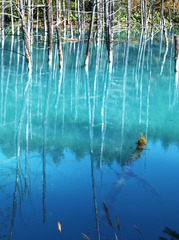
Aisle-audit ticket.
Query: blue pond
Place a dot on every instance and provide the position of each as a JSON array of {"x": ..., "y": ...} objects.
[{"x": 68, "y": 141}]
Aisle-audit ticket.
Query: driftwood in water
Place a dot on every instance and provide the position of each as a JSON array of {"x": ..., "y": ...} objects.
[{"x": 176, "y": 53}]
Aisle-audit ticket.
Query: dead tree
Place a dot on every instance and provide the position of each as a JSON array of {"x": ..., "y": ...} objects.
[
  {"x": 44, "y": 19},
  {"x": 50, "y": 30},
  {"x": 141, "y": 12},
  {"x": 64, "y": 20},
  {"x": 26, "y": 36},
  {"x": 169, "y": 14},
  {"x": 145, "y": 13},
  {"x": 119, "y": 13},
  {"x": 2, "y": 18},
  {"x": 32, "y": 20},
  {"x": 58, "y": 28},
  {"x": 79, "y": 25},
  {"x": 98, "y": 15},
  {"x": 29, "y": 17},
  {"x": 68, "y": 13},
  {"x": 153, "y": 10},
  {"x": 37, "y": 22},
  {"x": 109, "y": 23},
  {"x": 152, "y": 23},
  {"x": 176, "y": 53},
  {"x": 12, "y": 18},
  {"x": 83, "y": 17},
  {"x": 90, "y": 36},
  {"x": 173, "y": 7},
  {"x": 161, "y": 14},
  {"x": 128, "y": 12},
  {"x": 106, "y": 23}
]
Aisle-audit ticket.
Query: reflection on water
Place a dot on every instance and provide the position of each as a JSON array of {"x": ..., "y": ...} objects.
[{"x": 68, "y": 140}]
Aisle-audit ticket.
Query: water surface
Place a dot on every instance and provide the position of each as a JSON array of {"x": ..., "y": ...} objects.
[{"x": 68, "y": 141}]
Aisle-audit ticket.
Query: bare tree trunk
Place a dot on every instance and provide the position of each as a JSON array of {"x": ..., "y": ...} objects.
[
  {"x": 58, "y": 16},
  {"x": 79, "y": 28},
  {"x": 29, "y": 17},
  {"x": 83, "y": 17},
  {"x": 37, "y": 23},
  {"x": 153, "y": 11},
  {"x": 44, "y": 19},
  {"x": 12, "y": 18},
  {"x": 176, "y": 53},
  {"x": 68, "y": 13},
  {"x": 145, "y": 13},
  {"x": 90, "y": 34},
  {"x": 18, "y": 22},
  {"x": 173, "y": 7},
  {"x": 64, "y": 20},
  {"x": 2, "y": 18},
  {"x": 128, "y": 12},
  {"x": 71, "y": 29},
  {"x": 25, "y": 34},
  {"x": 111, "y": 25},
  {"x": 169, "y": 14},
  {"x": 106, "y": 23},
  {"x": 119, "y": 13},
  {"x": 32, "y": 21},
  {"x": 98, "y": 15},
  {"x": 161, "y": 14},
  {"x": 141, "y": 10},
  {"x": 50, "y": 31},
  {"x": 152, "y": 24}
]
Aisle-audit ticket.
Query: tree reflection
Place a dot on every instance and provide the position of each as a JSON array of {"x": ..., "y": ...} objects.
[
  {"x": 97, "y": 116},
  {"x": 171, "y": 233}
]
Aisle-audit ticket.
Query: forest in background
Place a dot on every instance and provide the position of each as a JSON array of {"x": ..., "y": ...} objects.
[{"x": 170, "y": 8}]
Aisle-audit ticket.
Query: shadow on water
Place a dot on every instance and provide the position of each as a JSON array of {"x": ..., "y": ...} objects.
[{"x": 89, "y": 113}]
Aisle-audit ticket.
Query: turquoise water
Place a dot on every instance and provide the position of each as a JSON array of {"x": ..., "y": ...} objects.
[{"x": 68, "y": 141}]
